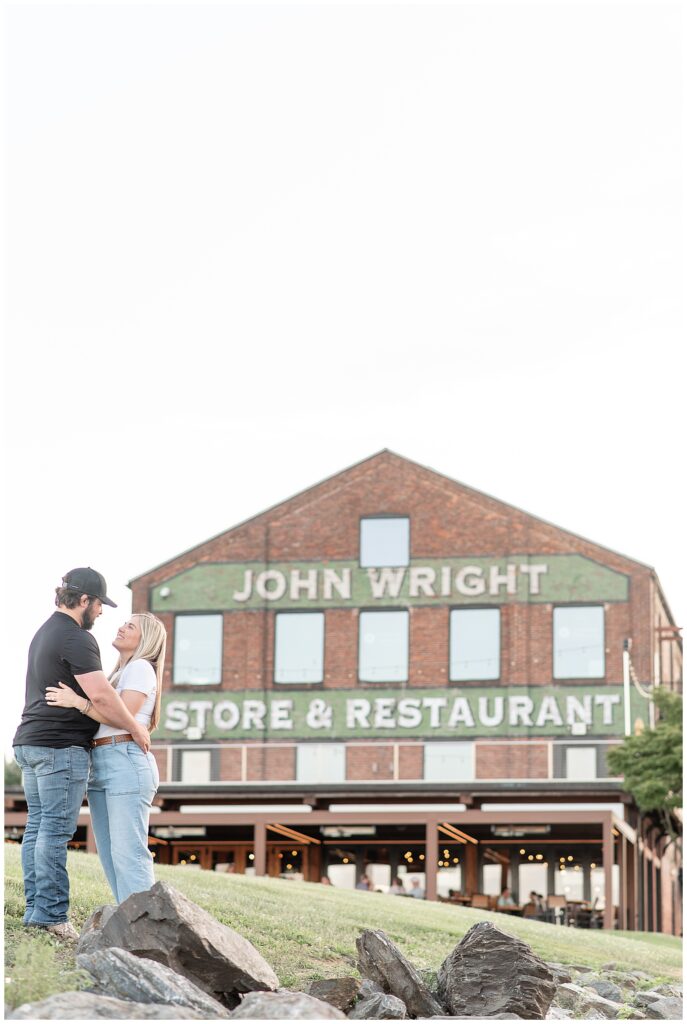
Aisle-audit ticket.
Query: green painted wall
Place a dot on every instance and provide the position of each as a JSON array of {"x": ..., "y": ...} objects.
[
  {"x": 218, "y": 587},
  {"x": 328, "y": 714}
]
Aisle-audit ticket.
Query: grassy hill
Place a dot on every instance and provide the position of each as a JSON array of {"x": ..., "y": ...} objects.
[{"x": 308, "y": 931}]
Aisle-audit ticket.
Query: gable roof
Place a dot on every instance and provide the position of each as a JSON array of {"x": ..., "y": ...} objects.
[{"x": 386, "y": 452}]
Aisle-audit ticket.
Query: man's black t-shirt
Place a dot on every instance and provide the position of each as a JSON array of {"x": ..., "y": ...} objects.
[{"x": 60, "y": 650}]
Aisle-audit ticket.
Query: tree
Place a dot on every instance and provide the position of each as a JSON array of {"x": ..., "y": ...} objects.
[
  {"x": 651, "y": 762},
  {"x": 12, "y": 773}
]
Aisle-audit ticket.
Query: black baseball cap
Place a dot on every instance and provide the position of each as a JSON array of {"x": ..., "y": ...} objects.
[{"x": 88, "y": 581}]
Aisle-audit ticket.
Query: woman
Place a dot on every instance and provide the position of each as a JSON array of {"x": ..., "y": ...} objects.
[{"x": 123, "y": 780}]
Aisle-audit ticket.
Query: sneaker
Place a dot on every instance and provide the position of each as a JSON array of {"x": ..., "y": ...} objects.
[{"x": 66, "y": 931}]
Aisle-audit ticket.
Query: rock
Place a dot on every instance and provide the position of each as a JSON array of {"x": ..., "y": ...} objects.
[
  {"x": 606, "y": 989},
  {"x": 380, "y": 961},
  {"x": 560, "y": 972},
  {"x": 369, "y": 988},
  {"x": 641, "y": 975},
  {"x": 622, "y": 979},
  {"x": 89, "y": 933},
  {"x": 379, "y": 1006},
  {"x": 162, "y": 924},
  {"x": 665, "y": 1008},
  {"x": 283, "y": 1005},
  {"x": 644, "y": 998},
  {"x": 88, "y": 1006},
  {"x": 665, "y": 989},
  {"x": 491, "y": 972},
  {"x": 558, "y": 1013},
  {"x": 338, "y": 992},
  {"x": 585, "y": 1002},
  {"x": 125, "y": 976}
]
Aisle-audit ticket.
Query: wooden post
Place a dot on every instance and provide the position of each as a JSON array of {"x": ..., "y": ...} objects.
[
  {"x": 607, "y": 842},
  {"x": 260, "y": 848},
  {"x": 431, "y": 857},
  {"x": 631, "y": 885},
  {"x": 654, "y": 885},
  {"x": 622, "y": 859},
  {"x": 470, "y": 869}
]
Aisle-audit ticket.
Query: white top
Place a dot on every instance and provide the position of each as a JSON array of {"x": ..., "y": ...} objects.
[{"x": 137, "y": 675}]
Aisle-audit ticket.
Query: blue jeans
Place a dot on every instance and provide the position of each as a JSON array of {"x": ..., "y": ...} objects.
[
  {"x": 121, "y": 787},
  {"x": 54, "y": 785}
]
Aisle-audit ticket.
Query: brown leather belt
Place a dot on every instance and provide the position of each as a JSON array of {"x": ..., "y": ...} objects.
[{"x": 124, "y": 737}]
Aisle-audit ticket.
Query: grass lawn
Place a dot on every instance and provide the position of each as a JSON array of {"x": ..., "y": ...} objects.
[{"x": 308, "y": 931}]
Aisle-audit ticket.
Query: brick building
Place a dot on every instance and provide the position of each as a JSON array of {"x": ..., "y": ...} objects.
[{"x": 392, "y": 674}]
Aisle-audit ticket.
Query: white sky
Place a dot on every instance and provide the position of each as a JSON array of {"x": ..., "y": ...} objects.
[{"x": 249, "y": 246}]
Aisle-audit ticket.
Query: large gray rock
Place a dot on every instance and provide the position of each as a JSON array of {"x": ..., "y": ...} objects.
[
  {"x": 338, "y": 992},
  {"x": 164, "y": 925},
  {"x": 90, "y": 933},
  {"x": 379, "y": 1006},
  {"x": 381, "y": 961},
  {"x": 585, "y": 1002},
  {"x": 606, "y": 989},
  {"x": 88, "y": 1006},
  {"x": 125, "y": 976},
  {"x": 284, "y": 1005},
  {"x": 490, "y": 972},
  {"x": 665, "y": 1008}
]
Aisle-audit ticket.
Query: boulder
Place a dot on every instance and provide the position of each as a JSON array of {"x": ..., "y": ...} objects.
[
  {"x": 665, "y": 1008},
  {"x": 379, "y": 1006},
  {"x": 382, "y": 962},
  {"x": 162, "y": 924},
  {"x": 585, "y": 1002},
  {"x": 89, "y": 933},
  {"x": 490, "y": 972},
  {"x": 338, "y": 992},
  {"x": 605, "y": 989},
  {"x": 88, "y": 1006},
  {"x": 125, "y": 976},
  {"x": 369, "y": 988},
  {"x": 558, "y": 1013},
  {"x": 283, "y": 1005},
  {"x": 560, "y": 972}
]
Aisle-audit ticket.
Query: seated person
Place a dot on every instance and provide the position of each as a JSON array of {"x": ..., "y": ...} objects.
[
  {"x": 505, "y": 899},
  {"x": 417, "y": 891}
]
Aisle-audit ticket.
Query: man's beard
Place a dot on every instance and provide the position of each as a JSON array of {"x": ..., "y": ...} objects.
[{"x": 88, "y": 618}]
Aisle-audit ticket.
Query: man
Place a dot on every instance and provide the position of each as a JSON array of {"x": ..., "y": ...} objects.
[{"x": 52, "y": 744}]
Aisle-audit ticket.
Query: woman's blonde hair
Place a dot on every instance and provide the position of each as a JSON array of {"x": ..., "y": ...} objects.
[{"x": 152, "y": 648}]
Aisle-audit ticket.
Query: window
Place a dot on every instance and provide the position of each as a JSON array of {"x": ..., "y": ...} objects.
[
  {"x": 475, "y": 643},
  {"x": 299, "y": 647},
  {"x": 578, "y": 643},
  {"x": 195, "y": 766},
  {"x": 385, "y": 542},
  {"x": 449, "y": 762},
  {"x": 580, "y": 763},
  {"x": 321, "y": 762},
  {"x": 198, "y": 649},
  {"x": 383, "y": 647}
]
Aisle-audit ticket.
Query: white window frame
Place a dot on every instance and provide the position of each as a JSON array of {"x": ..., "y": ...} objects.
[
  {"x": 176, "y": 680},
  {"x": 281, "y": 617},
  {"x": 465, "y": 747},
  {"x": 379, "y": 565},
  {"x": 380, "y": 611},
  {"x": 198, "y": 777},
  {"x": 454, "y": 635},
  {"x": 328, "y": 755}
]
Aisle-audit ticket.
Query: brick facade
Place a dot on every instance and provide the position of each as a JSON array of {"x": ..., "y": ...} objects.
[{"x": 447, "y": 520}]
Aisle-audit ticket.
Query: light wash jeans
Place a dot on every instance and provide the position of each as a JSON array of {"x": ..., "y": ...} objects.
[
  {"x": 121, "y": 787},
  {"x": 54, "y": 780}
]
